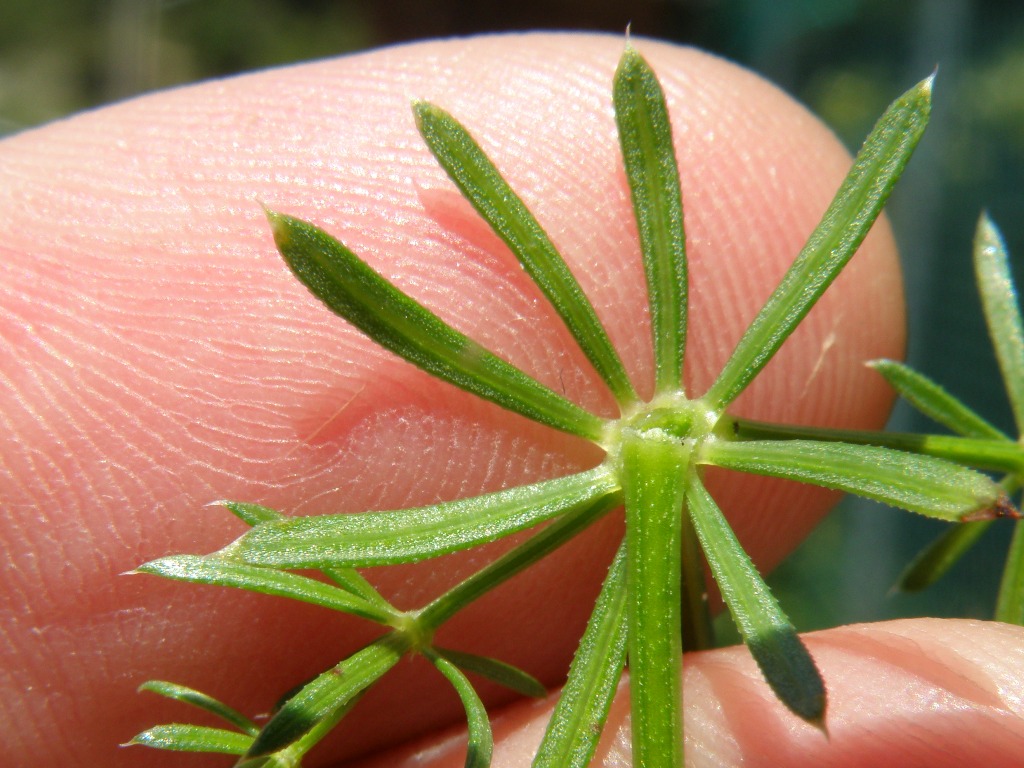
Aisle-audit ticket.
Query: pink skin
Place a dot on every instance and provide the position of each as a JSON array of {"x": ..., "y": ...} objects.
[{"x": 157, "y": 356}]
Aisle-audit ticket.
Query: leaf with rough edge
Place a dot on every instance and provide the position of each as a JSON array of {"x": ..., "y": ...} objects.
[
  {"x": 353, "y": 290},
  {"x": 854, "y": 209},
  {"x": 654, "y": 466},
  {"x": 1002, "y": 312},
  {"x": 922, "y": 484},
  {"x": 348, "y": 579},
  {"x": 582, "y": 710},
  {"x": 483, "y": 186},
  {"x": 179, "y": 737},
  {"x": 202, "y": 701},
  {"x": 480, "y": 745},
  {"x": 1000, "y": 455},
  {"x": 645, "y": 135},
  {"x": 934, "y": 401},
  {"x": 771, "y": 638},
  {"x": 496, "y": 671},
  {"x": 215, "y": 570},
  {"x": 329, "y": 695},
  {"x": 409, "y": 535}
]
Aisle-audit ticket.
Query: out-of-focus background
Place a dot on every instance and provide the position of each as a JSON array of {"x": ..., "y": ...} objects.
[{"x": 845, "y": 59}]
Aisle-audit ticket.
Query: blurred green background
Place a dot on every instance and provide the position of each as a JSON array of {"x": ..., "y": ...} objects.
[{"x": 846, "y": 59}]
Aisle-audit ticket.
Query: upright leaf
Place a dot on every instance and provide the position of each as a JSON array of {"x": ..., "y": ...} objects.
[
  {"x": 1002, "y": 312},
  {"x": 646, "y": 138},
  {"x": 842, "y": 229},
  {"x": 481, "y": 183},
  {"x": 350, "y": 288}
]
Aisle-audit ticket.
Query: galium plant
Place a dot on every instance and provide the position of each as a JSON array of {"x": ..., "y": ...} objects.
[{"x": 653, "y": 602}]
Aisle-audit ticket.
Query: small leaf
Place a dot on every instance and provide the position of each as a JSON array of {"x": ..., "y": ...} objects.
[
  {"x": 654, "y": 467},
  {"x": 216, "y": 570},
  {"x": 922, "y": 484},
  {"x": 772, "y": 640},
  {"x": 932, "y": 563},
  {"x": 409, "y": 535},
  {"x": 329, "y": 695},
  {"x": 482, "y": 185},
  {"x": 1002, "y": 313},
  {"x": 178, "y": 737},
  {"x": 348, "y": 579},
  {"x": 202, "y": 701},
  {"x": 935, "y": 402},
  {"x": 646, "y": 138},
  {"x": 481, "y": 741},
  {"x": 350, "y": 288},
  {"x": 582, "y": 710},
  {"x": 847, "y": 221},
  {"x": 1000, "y": 455},
  {"x": 496, "y": 671}
]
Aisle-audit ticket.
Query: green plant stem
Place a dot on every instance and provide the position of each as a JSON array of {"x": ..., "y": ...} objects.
[
  {"x": 1010, "y": 602},
  {"x": 654, "y": 469}
]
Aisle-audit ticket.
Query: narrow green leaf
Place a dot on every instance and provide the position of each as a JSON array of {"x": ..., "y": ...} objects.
[
  {"x": 934, "y": 401},
  {"x": 1001, "y": 455},
  {"x": 348, "y": 579},
  {"x": 1010, "y": 602},
  {"x": 409, "y": 535},
  {"x": 496, "y": 671},
  {"x": 582, "y": 710},
  {"x": 1002, "y": 312},
  {"x": 515, "y": 560},
  {"x": 483, "y": 186},
  {"x": 212, "y": 569},
  {"x": 932, "y": 563},
  {"x": 328, "y": 695},
  {"x": 772, "y": 640},
  {"x": 481, "y": 741},
  {"x": 845, "y": 224},
  {"x": 646, "y": 138},
  {"x": 353, "y": 290},
  {"x": 202, "y": 701},
  {"x": 922, "y": 484},
  {"x": 654, "y": 469},
  {"x": 178, "y": 737}
]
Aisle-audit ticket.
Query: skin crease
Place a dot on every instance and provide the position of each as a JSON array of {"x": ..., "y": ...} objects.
[{"x": 157, "y": 356}]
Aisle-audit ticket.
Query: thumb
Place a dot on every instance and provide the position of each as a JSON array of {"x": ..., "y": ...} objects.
[{"x": 157, "y": 356}]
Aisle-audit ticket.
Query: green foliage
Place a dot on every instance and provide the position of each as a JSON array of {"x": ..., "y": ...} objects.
[{"x": 656, "y": 453}]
